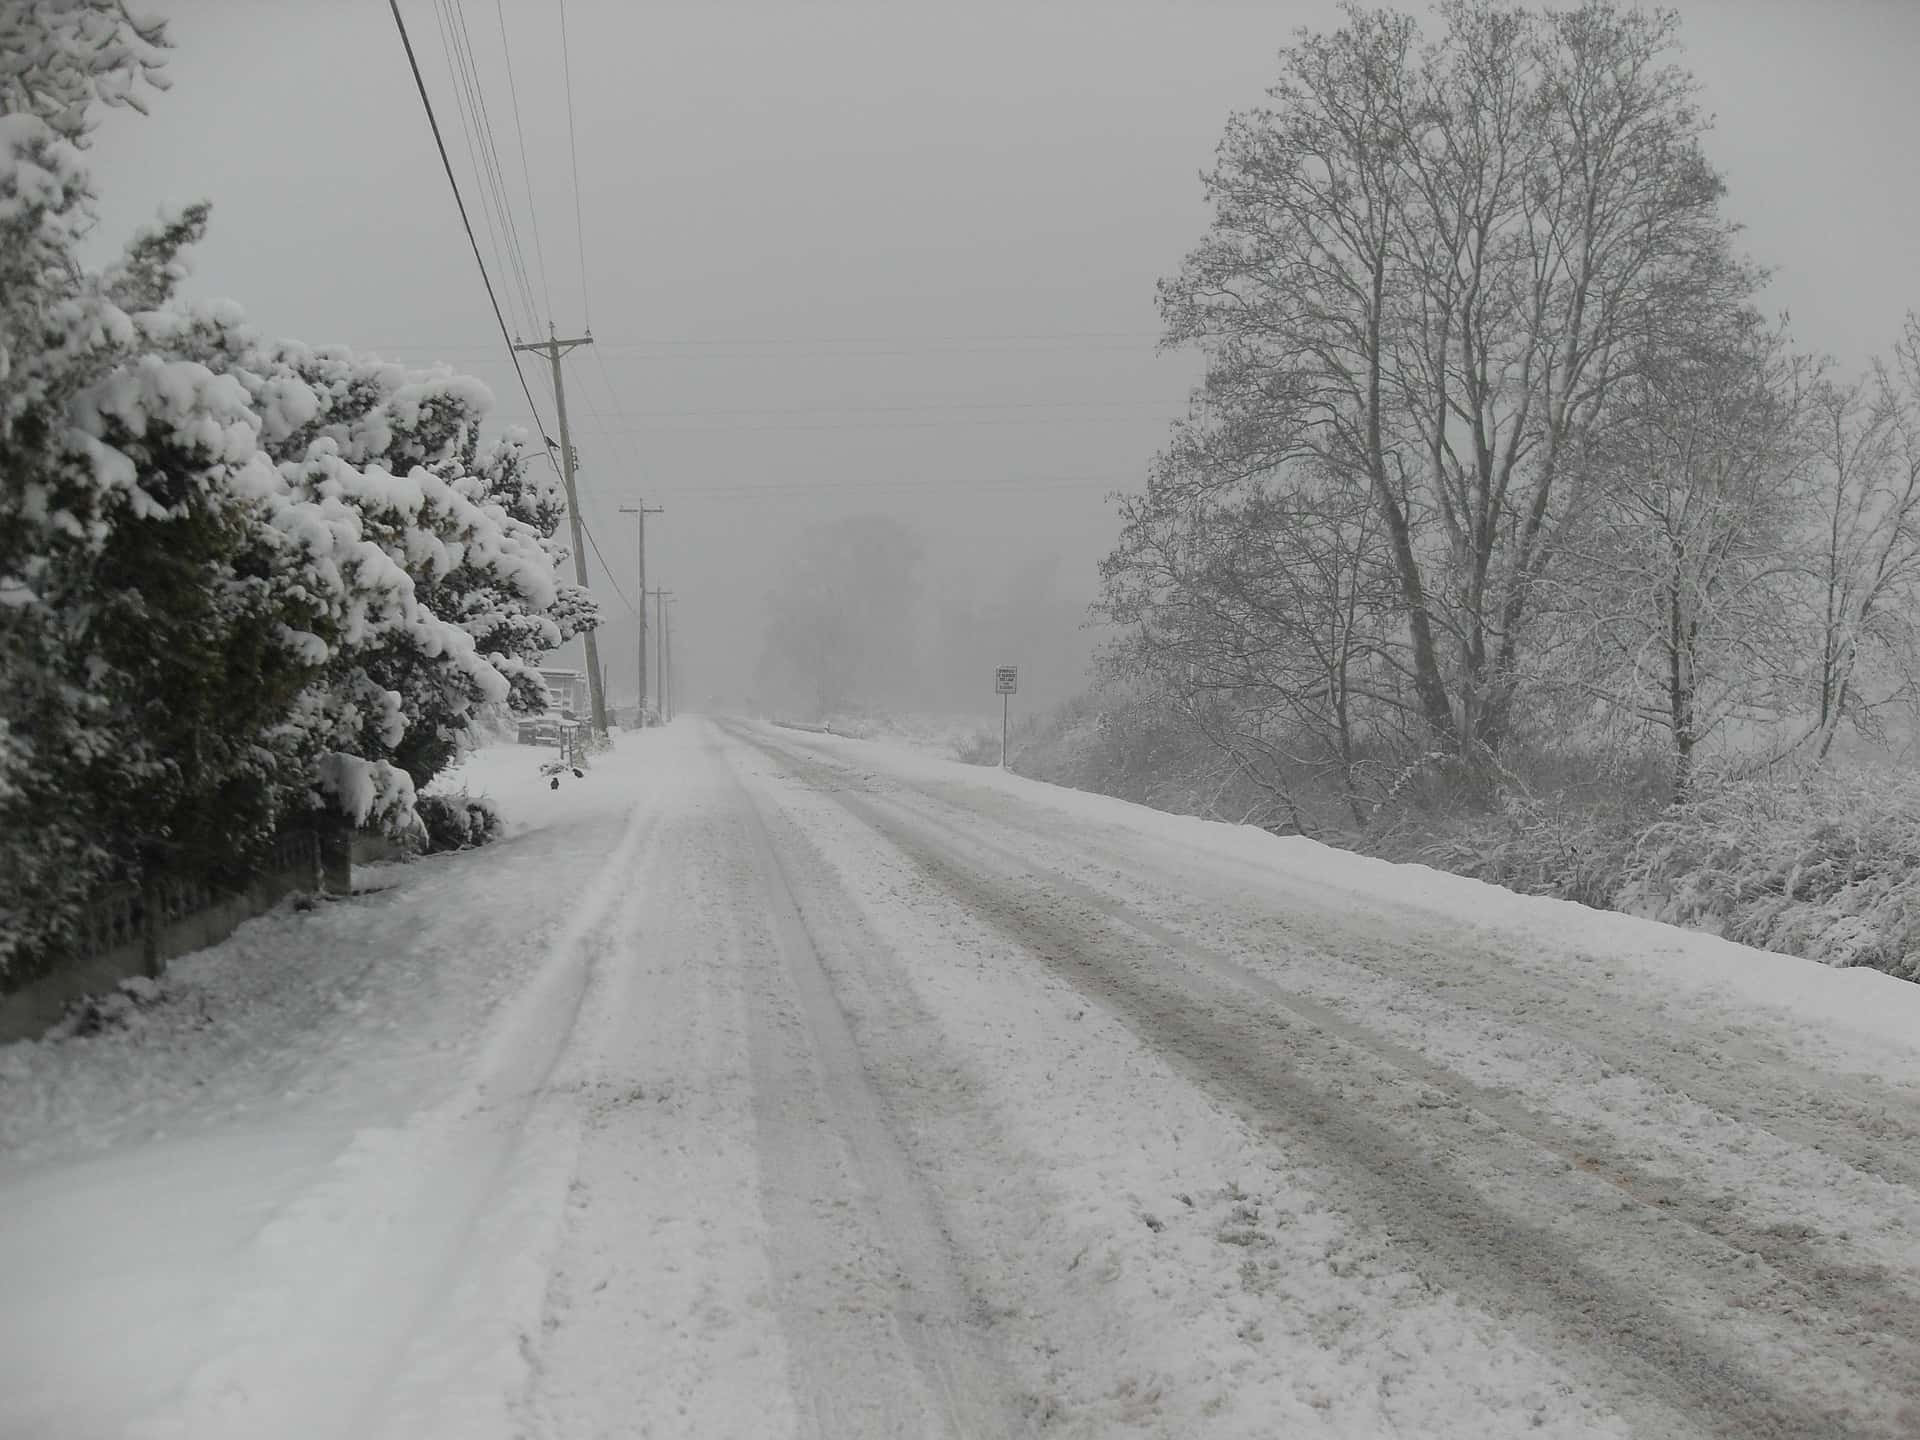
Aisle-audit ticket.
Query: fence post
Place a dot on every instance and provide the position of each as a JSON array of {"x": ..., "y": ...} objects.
[
  {"x": 150, "y": 922},
  {"x": 334, "y": 839}
]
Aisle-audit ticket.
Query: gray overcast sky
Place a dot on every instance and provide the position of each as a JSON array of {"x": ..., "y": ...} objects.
[{"x": 896, "y": 258}]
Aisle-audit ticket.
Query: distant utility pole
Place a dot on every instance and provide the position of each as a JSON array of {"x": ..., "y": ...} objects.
[
  {"x": 553, "y": 348},
  {"x": 670, "y": 682},
  {"x": 640, "y": 513},
  {"x": 660, "y": 643}
]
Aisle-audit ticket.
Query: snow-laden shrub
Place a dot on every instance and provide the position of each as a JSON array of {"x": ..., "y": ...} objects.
[
  {"x": 1115, "y": 741},
  {"x": 459, "y": 821},
  {"x": 239, "y": 579},
  {"x": 1535, "y": 846},
  {"x": 1827, "y": 868},
  {"x": 980, "y": 748},
  {"x": 118, "y": 1009}
]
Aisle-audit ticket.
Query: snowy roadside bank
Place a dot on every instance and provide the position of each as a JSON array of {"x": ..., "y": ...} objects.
[
  {"x": 210, "y": 1175},
  {"x": 1703, "y": 1200},
  {"x": 776, "y": 1084},
  {"x": 1706, "y": 970}
]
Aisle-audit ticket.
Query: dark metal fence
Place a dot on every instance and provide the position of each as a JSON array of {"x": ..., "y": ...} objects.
[{"x": 131, "y": 930}]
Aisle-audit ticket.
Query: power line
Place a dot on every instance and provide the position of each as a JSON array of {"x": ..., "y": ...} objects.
[
  {"x": 446, "y": 164},
  {"x": 690, "y": 348},
  {"x": 624, "y": 433},
  {"x": 960, "y": 339},
  {"x": 579, "y": 228},
  {"x": 462, "y": 108},
  {"x": 605, "y": 568},
  {"x": 526, "y": 174},
  {"x": 972, "y": 423},
  {"x": 598, "y": 427},
  {"x": 802, "y": 489},
  {"x": 492, "y": 149},
  {"x": 908, "y": 409},
  {"x": 580, "y": 481},
  {"x": 470, "y": 94},
  {"x": 599, "y": 422}
]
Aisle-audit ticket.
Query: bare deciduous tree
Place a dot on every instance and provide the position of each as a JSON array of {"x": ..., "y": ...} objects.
[
  {"x": 1863, "y": 499},
  {"x": 1429, "y": 268},
  {"x": 1681, "y": 586},
  {"x": 1266, "y": 622}
]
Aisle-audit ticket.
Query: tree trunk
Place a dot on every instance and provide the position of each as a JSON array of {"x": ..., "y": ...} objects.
[{"x": 1680, "y": 696}]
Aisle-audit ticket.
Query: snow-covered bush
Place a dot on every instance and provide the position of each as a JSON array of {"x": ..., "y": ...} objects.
[
  {"x": 470, "y": 525},
  {"x": 979, "y": 748},
  {"x": 1829, "y": 870},
  {"x": 1118, "y": 741},
  {"x": 1536, "y": 846},
  {"x": 133, "y": 581},
  {"x": 459, "y": 821},
  {"x": 118, "y": 1009},
  {"x": 239, "y": 579},
  {"x": 60, "y": 58}
]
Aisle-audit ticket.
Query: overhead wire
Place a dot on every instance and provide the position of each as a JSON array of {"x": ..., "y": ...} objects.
[
  {"x": 680, "y": 350},
  {"x": 908, "y": 409},
  {"x": 619, "y": 408},
  {"x": 587, "y": 530},
  {"x": 446, "y": 164},
  {"x": 510, "y": 228},
  {"x": 493, "y": 298},
  {"x": 586, "y": 399},
  {"x": 526, "y": 173},
  {"x": 492, "y": 150},
  {"x": 573, "y": 153},
  {"x": 973, "y": 423},
  {"x": 461, "y": 109},
  {"x": 802, "y": 489},
  {"x": 483, "y": 152},
  {"x": 469, "y": 95}
]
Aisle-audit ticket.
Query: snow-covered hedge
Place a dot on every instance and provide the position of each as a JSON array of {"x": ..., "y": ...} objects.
[
  {"x": 239, "y": 578},
  {"x": 1825, "y": 864},
  {"x": 1827, "y": 870},
  {"x": 1537, "y": 846},
  {"x": 459, "y": 821}
]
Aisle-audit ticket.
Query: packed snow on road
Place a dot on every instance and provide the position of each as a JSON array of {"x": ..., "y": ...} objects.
[{"x": 773, "y": 1084}]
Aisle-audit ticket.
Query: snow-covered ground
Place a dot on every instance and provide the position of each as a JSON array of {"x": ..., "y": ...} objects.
[
  {"x": 768, "y": 1084},
  {"x": 946, "y": 737}
]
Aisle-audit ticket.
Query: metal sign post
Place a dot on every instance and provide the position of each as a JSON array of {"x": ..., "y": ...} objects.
[{"x": 1006, "y": 680}]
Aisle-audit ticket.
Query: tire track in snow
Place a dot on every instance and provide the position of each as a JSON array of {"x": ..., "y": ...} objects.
[
  {"x": 379, "y": 1343},
  {"x": 1873, "y": 1128},
  {"x": 1447, "y": 1223},
  {"x": 1677, "y": 1363},
  {"x": 658, "y": 1319},
  {"x": 1861, "y": 1139},
  {"x": 846, "y": 1298},
  {"x": 1887, "y": 1311},
  {"x": 469, "y": 1359}
]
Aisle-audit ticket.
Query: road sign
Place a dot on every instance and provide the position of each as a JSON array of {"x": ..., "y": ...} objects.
[{"x": 1006, "y": 681}]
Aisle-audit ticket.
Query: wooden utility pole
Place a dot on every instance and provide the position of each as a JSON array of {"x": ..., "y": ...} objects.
[
  {"x": 660, "y": 644},
  {"x": 553, "y": 348},
  {"x": 640, "y": 513}
]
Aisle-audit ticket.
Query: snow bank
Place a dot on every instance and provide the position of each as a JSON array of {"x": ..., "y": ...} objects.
[{"x": 1863, "y": 1003}]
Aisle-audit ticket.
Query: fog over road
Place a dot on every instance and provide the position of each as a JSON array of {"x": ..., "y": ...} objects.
[{"x": 774, "y": 1084}]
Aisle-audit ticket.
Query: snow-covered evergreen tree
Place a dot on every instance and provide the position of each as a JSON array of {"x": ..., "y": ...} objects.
[{"x": 239, "y": 579}]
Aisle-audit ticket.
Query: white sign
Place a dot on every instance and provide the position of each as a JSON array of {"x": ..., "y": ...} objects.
[{"x": 1006, "y": 680}]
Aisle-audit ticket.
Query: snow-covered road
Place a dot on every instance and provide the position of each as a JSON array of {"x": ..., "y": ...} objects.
[{"x": 769, "y": 1084}]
